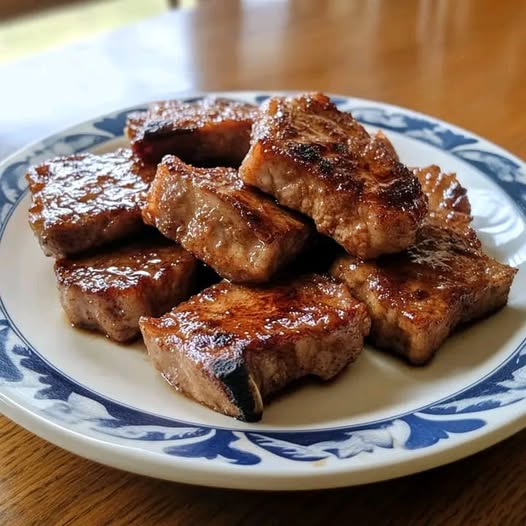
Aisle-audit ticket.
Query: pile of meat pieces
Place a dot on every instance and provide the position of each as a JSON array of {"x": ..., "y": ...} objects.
[{"x": 316, "y": 233}]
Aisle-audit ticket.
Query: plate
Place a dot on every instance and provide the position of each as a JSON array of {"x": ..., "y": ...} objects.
[{"x": 380, "y": 419}]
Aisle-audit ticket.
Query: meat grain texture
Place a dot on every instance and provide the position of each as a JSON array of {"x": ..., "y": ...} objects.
[{"x": 243, "y": 235}]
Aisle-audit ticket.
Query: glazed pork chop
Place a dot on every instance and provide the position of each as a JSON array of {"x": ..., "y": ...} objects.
[
  {"x": 417, "y": 297},
  {"x": 111, "y": 290},
  {"x": 320, "y": 161},
  {"x": 231, "y": 346},
  {"x": 243, "y": 235},
  {"x": 208, "y": 132},
  {"x": 85, "y": 201}
]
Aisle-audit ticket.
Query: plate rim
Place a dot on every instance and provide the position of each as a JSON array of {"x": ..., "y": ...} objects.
[{"x": 213, "y": 476}]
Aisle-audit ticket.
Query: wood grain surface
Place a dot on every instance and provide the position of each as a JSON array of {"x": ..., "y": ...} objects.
[{"x": 460, "y": 60}]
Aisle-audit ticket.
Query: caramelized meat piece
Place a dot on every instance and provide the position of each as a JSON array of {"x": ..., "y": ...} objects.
[
  {"x": 448, "y": 201},
  {"x": 447, "y": 198},
  {"x": 209, "y": 132},
  {"x": 85, "y": 201},
  {"x": 417, "y": 297},
  {"x": 315, "y": 159},
  {"x": 242, "y": 235},
  {"x": 111, "y": 290},
  {"x": 231, "y": 346}
]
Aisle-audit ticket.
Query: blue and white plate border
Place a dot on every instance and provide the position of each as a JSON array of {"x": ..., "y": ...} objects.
[{"x": 78, "y": 419}]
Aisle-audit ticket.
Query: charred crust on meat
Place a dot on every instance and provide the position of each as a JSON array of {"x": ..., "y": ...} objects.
[
  {"x": 233, "y": 374},
  {"x": 326, "y": 167},
  {"x": 339, "y": 147},
  {"x": 155, "y": 128},
  {"x": 309, "y": 153},
  {"x": 219, "y": 340},
  {"x": 402, "y": 192}
]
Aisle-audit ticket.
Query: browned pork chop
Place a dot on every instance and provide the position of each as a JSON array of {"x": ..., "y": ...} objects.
[
  {"x": 417, "y": 297},
  {"x": 231, "y": 346},
  {"x": 241, "y": 234},
  {"x": 208, "y": 132},
  {"x": 315, "y": 159},
  {"x": 85, "y": 201},
  {"x": 111, "y": 290}
]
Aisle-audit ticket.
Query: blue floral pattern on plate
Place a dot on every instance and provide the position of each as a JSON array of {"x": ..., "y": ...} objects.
[{"x": 62, "y": 400}]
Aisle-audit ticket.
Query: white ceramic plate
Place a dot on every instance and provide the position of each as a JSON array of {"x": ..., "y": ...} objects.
[{"x": 380, "y": 419}]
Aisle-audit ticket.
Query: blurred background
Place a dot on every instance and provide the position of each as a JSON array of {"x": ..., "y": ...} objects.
[
  {"x": 28, "y": 26},
  {"x": 62, "y": 62}
]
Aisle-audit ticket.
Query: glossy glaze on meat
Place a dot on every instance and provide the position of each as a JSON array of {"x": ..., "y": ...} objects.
[
  {"x": 85, "y": 201},
  {"x": 417, "y": 297},
  {"x": 447, "y": 198},
  {"x": 243, "y": 235},
  {"x": 208, "y": 132},
  {"x": 231, "y": 346},
  {"x": 111, "y": 290},
  {"x": 315, "y": 159},
  {"x": 448, "y": 201}
]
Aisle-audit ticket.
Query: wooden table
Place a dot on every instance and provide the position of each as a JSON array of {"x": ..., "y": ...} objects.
[{"x": 460, "y": 60}]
